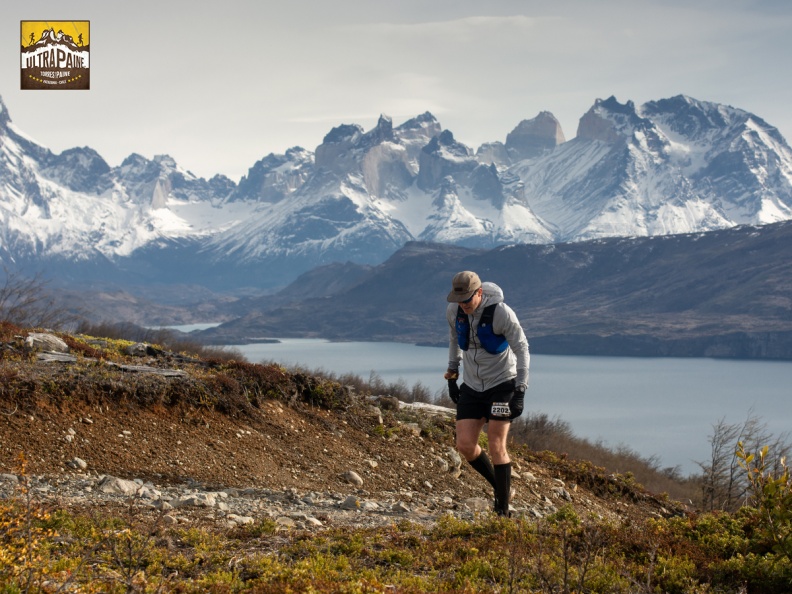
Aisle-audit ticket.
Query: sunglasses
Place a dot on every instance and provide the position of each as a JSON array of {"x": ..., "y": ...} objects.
[{"x": 469, "y": 299}]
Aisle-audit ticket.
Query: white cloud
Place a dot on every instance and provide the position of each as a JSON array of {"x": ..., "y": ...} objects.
[{"x": 220, "y": 89}]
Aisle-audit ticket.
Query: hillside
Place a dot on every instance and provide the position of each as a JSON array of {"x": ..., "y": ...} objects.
[
  {"x": 718, "y": 294},
  {"x": 176, "y": 422},
  {"x": 125, "y": 467}
]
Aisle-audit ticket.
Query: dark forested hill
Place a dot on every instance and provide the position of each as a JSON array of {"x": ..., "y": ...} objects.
[{"x": 721, "y": 294}]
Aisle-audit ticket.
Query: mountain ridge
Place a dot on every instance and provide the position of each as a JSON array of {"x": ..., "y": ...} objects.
[
  {"x": 717, "y": 294},
  {"x": 669, "y": 166}
]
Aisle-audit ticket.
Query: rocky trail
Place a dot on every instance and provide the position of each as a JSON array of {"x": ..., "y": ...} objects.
[{"x": 113, "y": 427}]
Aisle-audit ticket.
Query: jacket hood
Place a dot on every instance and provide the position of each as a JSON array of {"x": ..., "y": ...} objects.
[{"x": 490, "y": 294}]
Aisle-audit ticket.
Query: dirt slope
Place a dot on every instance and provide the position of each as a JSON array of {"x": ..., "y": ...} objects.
[{"x": 175, "y": 419}]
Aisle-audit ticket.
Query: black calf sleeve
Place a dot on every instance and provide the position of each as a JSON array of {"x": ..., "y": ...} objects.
[
  {"x": 502, "y": 488},
  {"x": 483, "y": 465}
]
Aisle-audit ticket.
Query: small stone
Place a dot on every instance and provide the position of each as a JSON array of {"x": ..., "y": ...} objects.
[
  {"x": 350, "y": 503},
  {"x": 197, "y": 500},
  {"x": 412, "y": 428},
  {"x": 477, "y": 504},
  {"x": 352, "y": 477},
  {"x": 46, "y": 342},
  {"x": 118, "y": 486},
  {"x": 285, "y": 522},
  {"x": 389, "y": 402},
  {"x": 562, "y": 493},
  {"x": 77, "y": 463},
  {"x": 456, "y": 460},
  {"x": 375, "y": 413},
  {"x": 239, "y": 520},
  {"x": 139, "y": 349}
]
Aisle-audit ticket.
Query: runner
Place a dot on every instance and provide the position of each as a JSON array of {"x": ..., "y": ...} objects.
[{"x": 486, "y": 337}]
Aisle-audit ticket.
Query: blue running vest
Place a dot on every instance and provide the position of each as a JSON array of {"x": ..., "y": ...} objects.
[{"x": 492, "y": 343}]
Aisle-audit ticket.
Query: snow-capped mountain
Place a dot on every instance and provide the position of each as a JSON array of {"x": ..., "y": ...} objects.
[{"x": 671, "y": 166}]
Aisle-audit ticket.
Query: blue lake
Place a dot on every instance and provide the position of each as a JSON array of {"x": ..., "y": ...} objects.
[{"x": 661, "y": 407}]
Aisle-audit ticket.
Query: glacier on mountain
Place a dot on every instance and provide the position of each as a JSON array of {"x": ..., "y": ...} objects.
[{"x": 671, "y": 166}]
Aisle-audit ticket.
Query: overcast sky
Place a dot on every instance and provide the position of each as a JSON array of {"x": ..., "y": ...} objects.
[{"x": 220, "y": 85}]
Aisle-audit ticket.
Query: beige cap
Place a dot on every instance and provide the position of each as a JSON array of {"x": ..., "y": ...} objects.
[{"x": 465, "y": 283}]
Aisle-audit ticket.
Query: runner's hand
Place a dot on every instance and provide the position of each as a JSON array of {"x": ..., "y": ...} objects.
[
  {"x": 517, "y": 403},
  {"x": 453, "y": 390}
]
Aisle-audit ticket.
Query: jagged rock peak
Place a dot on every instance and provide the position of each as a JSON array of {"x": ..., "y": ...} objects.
[
  {"x": 493, "y": 152},
  {"x": 445, "y": 142},
  {"x": 425, "y": 120},
  {"x": 382, "y": 132},
  {"x": 4, "y": 117},
  {"x": 691, "y": 117},
  {"x": 385, "y": 124},
  {"x": 533, "y": 137},
  {"x": 443, "y": 156},
  {"x": 608, "y": 121},
  {"x": 275, "y": 176},
  {"x": 333, "y": 153},
  {"x": 343, "y": 133},
  {"x": 165, "y": 161},
  {"x": 419, "y": 129},
  {"x": 134, "y": 160}
]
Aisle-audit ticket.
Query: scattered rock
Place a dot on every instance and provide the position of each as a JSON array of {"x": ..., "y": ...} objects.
[
  {"x": 388, "y": 402},
  {"x": 118, "y": 486},
  {"x": 478, "y": 504},
  {"x": 562, "y": 493},
  {"x": 285, "y": 522},
  {"x": 39, "y": 341},
  {"x": 236, "y": 520},
  {"x": 77, "y": 463},
  {"x": 456, "y": 459},
  {"x": 350, "y": 502},
  {"x": 412, "y": 428},
  {"x": 139, "y": 349},
  {"x": 352, "y": 477},
  {"x": 376, "y": 413}
]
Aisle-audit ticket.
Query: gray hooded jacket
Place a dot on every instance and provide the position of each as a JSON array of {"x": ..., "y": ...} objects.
[{"x": 482, "y": 370}]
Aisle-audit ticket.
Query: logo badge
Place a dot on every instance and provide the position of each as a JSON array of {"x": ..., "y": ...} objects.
[{"x": 55, "y": 55}]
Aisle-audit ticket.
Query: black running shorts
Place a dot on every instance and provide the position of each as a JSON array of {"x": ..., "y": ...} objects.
[{"x": 492, "y": 404}]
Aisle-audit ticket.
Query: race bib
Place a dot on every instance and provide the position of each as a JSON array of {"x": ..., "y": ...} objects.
[{"x": 500, "y": 409}]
